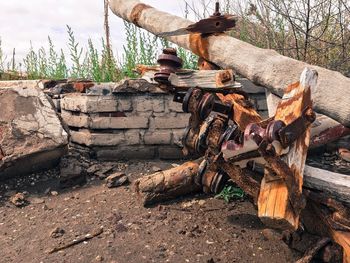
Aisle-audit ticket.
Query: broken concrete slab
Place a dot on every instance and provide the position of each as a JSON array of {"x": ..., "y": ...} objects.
[
  {"x": 31, "y": 135},
  {"x": 22, "y": 83}
]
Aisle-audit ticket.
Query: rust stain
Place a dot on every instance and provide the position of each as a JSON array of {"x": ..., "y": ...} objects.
[
  {"x": 223, "y": 77},
  {"x": 292, "y": 87},
  {"x": 207, "y": 65},
  {"x": 137, "y": 12},
  {"x": 199, "y": 45},
  {"x": 243, "y": 114}
]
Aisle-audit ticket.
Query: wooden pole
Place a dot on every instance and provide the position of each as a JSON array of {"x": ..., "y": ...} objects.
[{"x": 264, "y": 67}]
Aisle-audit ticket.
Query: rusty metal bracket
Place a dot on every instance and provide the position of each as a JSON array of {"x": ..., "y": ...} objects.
[
  {"x": 294, "y": 130},
  {"x": 217, "y": 23}
]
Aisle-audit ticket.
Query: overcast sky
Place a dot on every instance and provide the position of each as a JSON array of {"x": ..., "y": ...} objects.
[{"x": 22, "y": 21}]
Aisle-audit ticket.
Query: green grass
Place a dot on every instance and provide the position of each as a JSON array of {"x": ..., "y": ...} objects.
[
  {"x": 87, "y": 62},
  {"x": 230, "y": 193}
]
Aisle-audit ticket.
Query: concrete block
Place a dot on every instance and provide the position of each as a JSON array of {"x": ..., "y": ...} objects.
[
  {"x": 80, "y": 120},
  {"x": 177, "y": 136},
  {"x": 180, "y": 121},
  {"x": 132, "y": 122},
  {"x": 132, "y": 137},
  {"x": 125, "y": 153},
  {"x": 157, "y": 137},
  {"x": 170, "y": 153},
  {"x": 149, "y": 103},
  {"x": 93, "y": 121},
  {"x": 124, "y": 104},
  {"x": 174, "y": 106},
  {"x": 85, "y": 137},
  {"x": 93, "y": 104},
  {"x": 31, "y": 134}
]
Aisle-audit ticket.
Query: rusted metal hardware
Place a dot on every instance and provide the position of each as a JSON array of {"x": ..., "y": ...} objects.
[
  {"x": 217, "y": 23},
  {"x": 169, "y": 63},
  {"x": 292, "y": 132},
  {"x": 211, "y": 178}
]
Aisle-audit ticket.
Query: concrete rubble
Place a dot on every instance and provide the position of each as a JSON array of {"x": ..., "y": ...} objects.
[{"x": 31, "y": 135}]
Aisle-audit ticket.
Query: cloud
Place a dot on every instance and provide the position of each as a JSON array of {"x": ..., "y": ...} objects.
[{"x": 26, "y": 22}]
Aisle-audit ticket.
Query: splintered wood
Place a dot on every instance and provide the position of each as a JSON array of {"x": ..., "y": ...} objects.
[{"x": 275, "y": 207}]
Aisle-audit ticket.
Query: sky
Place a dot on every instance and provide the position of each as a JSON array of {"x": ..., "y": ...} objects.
[{"x": 22, "y": 22}]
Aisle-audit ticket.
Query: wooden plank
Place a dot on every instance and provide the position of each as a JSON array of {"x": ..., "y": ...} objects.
[
  {"x": 204, "y": 79},
  {"x": 335, "y": 185},
  {"x": 279, "y": 212}
]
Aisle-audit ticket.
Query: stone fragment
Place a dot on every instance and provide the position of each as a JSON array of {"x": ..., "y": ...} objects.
[
  {"x": 57, "y": 232},
  {"x": 116, "y": 180},
  {"x": 31, "y": 135},
  {"x": 19, "y": 200}
]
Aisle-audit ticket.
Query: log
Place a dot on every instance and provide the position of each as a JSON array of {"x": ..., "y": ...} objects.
[
  {"x": 264, "y": 67},
  {"x": 335, "y": 185},
  {"x": 169, "y": 184}
]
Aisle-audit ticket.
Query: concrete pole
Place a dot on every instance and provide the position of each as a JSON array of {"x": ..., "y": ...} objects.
[{"x": 264, "y": 67}]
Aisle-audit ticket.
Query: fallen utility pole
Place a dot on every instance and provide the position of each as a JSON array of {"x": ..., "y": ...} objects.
[{"x": 264, "y": 67}]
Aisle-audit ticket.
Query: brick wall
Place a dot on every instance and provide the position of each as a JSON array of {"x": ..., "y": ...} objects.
[{"x": 136, "y": 122}]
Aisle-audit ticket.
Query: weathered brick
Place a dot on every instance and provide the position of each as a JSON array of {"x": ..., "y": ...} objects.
[
  {"x": 88, "y": 138},
  {"x": 158, "y": 137},
  {"x": 124, "y": 104},
  {"x": 132, "y": 137},
  {"x": 170, "y": 153},
  {"x": 125, "y": 153},
  {"x": 154, "y": 103},
  {"x": 132, "y": 122},
  {"x": 89, "y": 104},
  {"x": 78, "y": 121},
  {"x": 177, "y": 136},
  {"x": 174, "y": 106},
  {"x": 179, "y": 121}
]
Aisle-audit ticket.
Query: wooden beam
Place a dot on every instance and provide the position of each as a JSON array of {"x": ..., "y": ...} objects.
[
  {"x": 275, "y": 205},
  {"x": 335, "y": 185}
]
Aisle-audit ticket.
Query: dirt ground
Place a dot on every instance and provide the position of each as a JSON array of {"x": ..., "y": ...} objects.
[{"x": 196, "y": 228}]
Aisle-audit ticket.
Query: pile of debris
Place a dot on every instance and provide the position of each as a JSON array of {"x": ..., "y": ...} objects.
[{"x": 264, "y": 156}]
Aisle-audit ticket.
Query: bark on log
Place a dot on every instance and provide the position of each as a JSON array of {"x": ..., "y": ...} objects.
[
  {"x": 263, "y": 67},
  {"x": 169, "y": 184}
]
